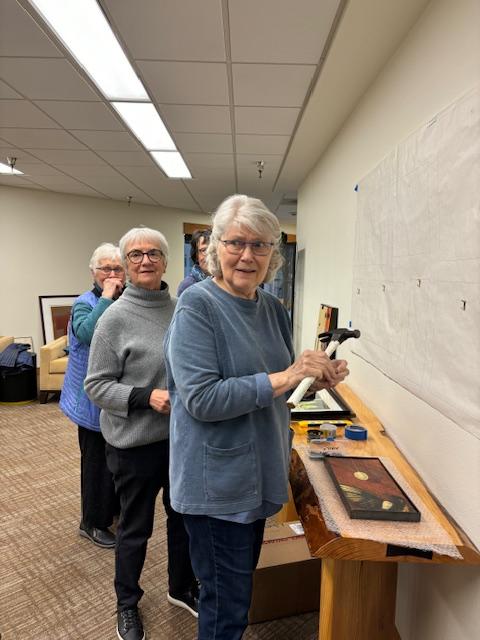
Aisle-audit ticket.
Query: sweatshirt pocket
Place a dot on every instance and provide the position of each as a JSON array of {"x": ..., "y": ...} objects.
[{"x": 230, "y": 474}]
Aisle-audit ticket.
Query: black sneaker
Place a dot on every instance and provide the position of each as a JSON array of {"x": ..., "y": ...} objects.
[
  {"x": 129, "y": 625},
  {"x": 187, "y": 601},
  {"x": 101, "y": 537}
]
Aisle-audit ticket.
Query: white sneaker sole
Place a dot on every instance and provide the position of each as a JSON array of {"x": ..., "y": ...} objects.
[{"x": 183, "y": 605}]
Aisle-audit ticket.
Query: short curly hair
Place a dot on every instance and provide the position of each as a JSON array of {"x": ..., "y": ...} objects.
[{"x": 252, "y": 214}]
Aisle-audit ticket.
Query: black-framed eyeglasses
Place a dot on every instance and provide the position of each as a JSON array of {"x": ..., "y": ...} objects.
[
  {"x": 136, "y": 256},
  {"x": 108, "y": 270},
  {"x": 236, "y": 247}
]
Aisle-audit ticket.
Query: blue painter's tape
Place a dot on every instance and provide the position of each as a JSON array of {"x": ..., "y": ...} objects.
[{"x": 356, "y": 432}]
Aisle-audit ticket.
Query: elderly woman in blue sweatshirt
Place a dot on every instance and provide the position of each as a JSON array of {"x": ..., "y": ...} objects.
[
  {"x": 98, "y": 501},
  {"x": 230, "y": 366}
]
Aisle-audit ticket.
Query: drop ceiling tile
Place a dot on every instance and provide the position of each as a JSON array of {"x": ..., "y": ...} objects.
[
  {"x": 117, "y": 187},
  {"x": 204, "y": 142},
  {"x": 18, "y": 181},
  {"x": 127, "y": 158},
  {"x": 11, "y": 150},
  {"x": 63, "y": 157},
  {"x": 265, "y": 120},
  {"x": 186, "y": 82},
  {"x": 169, "y": 193},
  {"x": 262, "y": 145},
  {"x": 280, "y": 30},
  {"x": 20, "y": 36},
  {"x": 38, "y": 78},
  {"x": 108, "y": 140},
  {"x": 64, "y": 184},
  {"x": 21, "y": 113},
  {"x": 171, "y": 30},
  {"x": 209, "y": 193},
  {"x": 81, "y": 115},
  {"x": 274, "y": 85},
  {"x": 196, "y": 119},
  {"x": 271, "y": 163},
  {"x": 210, "y": 165},
  {"x": 34, "y": 170},
  {"x": 40, "y": 138},
  {"x": 7, "y": 92},
  {"x": 85, "y": 171}
]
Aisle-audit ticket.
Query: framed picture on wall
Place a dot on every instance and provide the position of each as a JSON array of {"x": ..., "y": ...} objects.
[{"x": 55, "y": 313}]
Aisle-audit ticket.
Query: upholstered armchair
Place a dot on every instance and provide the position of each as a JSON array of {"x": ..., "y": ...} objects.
[
  {"x": 53, "y": 364},
  {"x": 5, "y": 341}
]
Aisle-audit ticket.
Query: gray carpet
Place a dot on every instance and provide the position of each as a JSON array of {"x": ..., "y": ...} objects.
[{"x": 55, "y": 585}]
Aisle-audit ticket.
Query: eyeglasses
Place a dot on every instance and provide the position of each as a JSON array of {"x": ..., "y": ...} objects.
[
  {"x": 136, "y": 256},
  {"x": 236, "y": 247},
  {"x": 203, "y": 251},
  {"x": 108, "y": 270}
]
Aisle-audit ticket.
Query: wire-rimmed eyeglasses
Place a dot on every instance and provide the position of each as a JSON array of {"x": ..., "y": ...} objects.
[
  {"x": 136, "y": 256},
  {"x": 236, "y": 247},
  {"x": 108, "y": 270}
]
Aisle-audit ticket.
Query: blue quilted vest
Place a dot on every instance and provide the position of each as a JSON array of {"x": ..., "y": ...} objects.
[{"x": 74, "y": 402}]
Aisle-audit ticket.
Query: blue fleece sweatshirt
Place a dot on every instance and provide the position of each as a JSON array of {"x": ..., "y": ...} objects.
[{"x": 229, "y": 437}]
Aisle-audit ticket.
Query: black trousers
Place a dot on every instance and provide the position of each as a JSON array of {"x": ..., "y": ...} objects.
[
  {"x": 98, "y": 498},
  {"x": 139, "y": 474}
]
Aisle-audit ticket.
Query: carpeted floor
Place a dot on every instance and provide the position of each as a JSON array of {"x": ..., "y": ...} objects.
[{"x": 55, "y": 585}]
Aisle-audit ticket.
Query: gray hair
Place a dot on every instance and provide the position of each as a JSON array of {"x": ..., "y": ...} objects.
[
  {"x": 252, "y": 214},
  {"x": 106, "y": 251},
  {"x": 140, "y": 234}
]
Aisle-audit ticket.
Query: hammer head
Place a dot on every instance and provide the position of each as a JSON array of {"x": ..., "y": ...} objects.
[{"x": 339, "y": 335}]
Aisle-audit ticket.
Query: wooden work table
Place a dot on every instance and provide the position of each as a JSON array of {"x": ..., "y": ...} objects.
[{"x": 359, "y": 576}]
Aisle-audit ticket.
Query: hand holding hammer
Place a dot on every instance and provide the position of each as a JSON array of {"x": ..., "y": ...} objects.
[{"x": 337, "y": 337}]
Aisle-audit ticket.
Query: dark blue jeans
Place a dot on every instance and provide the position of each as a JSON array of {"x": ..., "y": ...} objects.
[{"x": 224, "y": 556}]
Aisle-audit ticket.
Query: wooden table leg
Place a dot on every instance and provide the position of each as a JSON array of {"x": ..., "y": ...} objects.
[{"x": 357, "y": 600}]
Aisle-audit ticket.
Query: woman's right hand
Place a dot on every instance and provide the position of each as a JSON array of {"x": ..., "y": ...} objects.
[
  {"x": 160, "y": 401},
  {"x": 314, "y": 364}
]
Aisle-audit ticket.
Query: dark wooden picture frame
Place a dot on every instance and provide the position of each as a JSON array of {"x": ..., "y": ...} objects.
[{"x": 368, "y": 490}]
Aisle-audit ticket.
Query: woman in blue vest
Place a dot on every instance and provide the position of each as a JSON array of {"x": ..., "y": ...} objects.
[{"x": 98, "y": 501}]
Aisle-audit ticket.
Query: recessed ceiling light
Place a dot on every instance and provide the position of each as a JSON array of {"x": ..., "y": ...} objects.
[
  {"x": 9, "y": 170},
  {"x": 85, "y": 32},
  {"x": 172, "y": 163},
  {"x": 143, "y": 119}
]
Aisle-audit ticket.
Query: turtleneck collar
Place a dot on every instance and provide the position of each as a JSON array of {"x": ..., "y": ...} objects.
[{"x": 147, "y": 297}]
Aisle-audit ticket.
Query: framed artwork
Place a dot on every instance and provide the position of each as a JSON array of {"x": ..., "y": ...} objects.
[
  {"x": 327, "y": 404},
  {"x": 368, "y": 491},
  {"x": 55, "y": 313},
  {"x": 327, "y": 320}
]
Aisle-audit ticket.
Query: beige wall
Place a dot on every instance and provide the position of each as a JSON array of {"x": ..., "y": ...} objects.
[
  {"x": 438, "y": 62},
  {"x": 46, "y": 240}
]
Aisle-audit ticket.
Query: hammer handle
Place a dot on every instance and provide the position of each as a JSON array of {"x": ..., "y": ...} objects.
[{"x": 306, "y": 383}]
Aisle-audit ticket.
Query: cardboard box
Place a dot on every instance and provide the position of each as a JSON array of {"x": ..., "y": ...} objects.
[{"x": 287, "y": 579}]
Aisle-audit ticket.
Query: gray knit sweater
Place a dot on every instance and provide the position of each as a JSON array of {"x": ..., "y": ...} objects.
[{"x": 127, "y": 352}]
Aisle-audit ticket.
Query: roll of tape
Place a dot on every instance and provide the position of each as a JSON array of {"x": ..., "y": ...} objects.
[{"x": 356, "y": 432}]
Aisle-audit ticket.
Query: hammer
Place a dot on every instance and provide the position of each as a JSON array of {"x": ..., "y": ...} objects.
[{"x": 337, "y": 336}]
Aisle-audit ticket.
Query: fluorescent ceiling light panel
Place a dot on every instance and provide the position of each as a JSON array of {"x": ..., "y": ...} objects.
[
  {"x": 4, "y": 168},
  {"x": 143, "y": 119},
  {"x": 84, "y": 30},
  {"x": 172, "y": 163}
]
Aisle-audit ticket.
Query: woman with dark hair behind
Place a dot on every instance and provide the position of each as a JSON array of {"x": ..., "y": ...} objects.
[{"x": 198, "y": 252}]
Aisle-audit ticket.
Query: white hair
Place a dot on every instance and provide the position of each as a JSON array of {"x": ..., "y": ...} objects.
[
  {"x": 105, "y": 251},
  {"x": 251, "y": 213},
  {"x": 140, "y": 234}
]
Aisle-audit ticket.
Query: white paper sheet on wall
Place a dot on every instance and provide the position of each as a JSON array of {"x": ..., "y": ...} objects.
[{"x": 416, "y": 285}]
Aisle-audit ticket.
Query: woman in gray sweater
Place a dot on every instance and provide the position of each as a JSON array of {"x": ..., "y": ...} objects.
[{"x": 126, "y": 378}]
